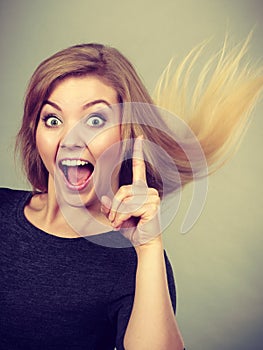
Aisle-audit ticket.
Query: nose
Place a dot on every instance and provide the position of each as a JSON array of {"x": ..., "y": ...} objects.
[
  {"x": 73, "y": 139},
  {"x": 72, "y": 143}
]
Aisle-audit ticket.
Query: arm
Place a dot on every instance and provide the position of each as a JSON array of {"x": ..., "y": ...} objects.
[{"x": 152, "y": 324}]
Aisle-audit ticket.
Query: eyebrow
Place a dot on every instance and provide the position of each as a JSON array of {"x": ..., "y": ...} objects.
[{"x": 87, "y": 105}]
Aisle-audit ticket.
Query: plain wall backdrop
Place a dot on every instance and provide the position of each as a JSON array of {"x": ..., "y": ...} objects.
[{"x": 218, "y": 264}]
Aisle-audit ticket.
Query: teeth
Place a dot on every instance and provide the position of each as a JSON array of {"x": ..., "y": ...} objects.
[{"x": 73, "y": 162}]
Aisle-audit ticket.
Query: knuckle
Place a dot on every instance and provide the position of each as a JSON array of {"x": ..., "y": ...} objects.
[
  {"x": 124, "y": 190},
  {"x": 127, "y": 200},
  {"x": 154, "y": 191},
  {"x": 124, "y": 208}
]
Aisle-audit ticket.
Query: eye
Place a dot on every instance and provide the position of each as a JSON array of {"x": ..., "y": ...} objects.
[
  {"x": 52, "y": 121},
  {"x": 96, "y": 120}
]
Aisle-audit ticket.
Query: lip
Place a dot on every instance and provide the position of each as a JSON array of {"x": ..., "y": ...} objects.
[{"x": 69, "y": 185}]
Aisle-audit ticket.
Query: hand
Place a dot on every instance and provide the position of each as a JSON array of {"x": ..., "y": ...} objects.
[{"x": 134, "y": 209}]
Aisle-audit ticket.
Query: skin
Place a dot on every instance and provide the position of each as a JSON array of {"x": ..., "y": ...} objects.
[
  {"x": 152, "y": 324},
  {"x": 72, "y": 100}
]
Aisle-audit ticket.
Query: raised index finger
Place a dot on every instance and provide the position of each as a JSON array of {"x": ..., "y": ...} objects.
[{"x": 138, "y": 164}]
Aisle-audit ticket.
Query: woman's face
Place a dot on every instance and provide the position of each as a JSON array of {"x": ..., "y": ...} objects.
[{"x": 78, "y": 124}]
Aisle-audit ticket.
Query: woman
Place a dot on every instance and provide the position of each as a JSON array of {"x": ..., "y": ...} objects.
[{"x": 60, "y": 290}]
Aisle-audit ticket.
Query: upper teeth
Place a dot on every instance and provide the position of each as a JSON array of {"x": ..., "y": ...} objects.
[{"x": 74, "y": 162}]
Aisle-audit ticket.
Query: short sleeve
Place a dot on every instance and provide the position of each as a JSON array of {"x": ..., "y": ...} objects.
[
  {"x": 122, "y": 297},
  {"x": 171, "y": 282}
]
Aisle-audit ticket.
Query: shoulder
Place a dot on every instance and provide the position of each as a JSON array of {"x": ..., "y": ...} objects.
[
  {"x": 8, "y": 193},
  {"x": 10, "y": 196}
]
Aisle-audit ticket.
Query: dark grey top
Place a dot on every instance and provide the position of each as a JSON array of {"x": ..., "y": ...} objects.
[{"x": 62, "y": 293}]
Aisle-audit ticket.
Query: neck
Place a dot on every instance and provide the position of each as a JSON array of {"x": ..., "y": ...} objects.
[{"x": 61, "y": 219}]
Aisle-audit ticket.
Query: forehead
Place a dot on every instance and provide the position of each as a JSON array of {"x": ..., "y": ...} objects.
[{"x": 80, "y": 90}]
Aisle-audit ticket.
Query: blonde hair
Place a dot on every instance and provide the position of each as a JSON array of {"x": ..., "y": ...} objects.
[
  {"x": 217, "y": 110},
  {"x": 217, "y": 107}
]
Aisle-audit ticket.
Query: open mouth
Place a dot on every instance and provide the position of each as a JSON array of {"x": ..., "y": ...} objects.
[{"x": 77, "y": 172}]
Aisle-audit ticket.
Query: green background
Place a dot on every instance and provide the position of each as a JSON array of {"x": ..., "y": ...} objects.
[{"x": 218, "y": 264}]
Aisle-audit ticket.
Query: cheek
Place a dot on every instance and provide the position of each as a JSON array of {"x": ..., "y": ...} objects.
[
  {"x": 106, "y": 150},
  {"x": 104, "y": 141},
  {"x": 46, "y": 148}
]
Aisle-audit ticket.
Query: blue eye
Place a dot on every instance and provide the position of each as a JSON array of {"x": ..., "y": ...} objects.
[
  {"x": 52, "y": 121},
  {"x": 96, "y": 120}
]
